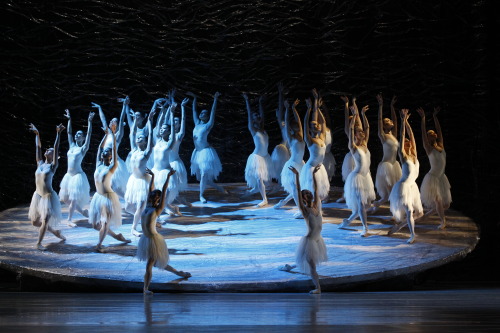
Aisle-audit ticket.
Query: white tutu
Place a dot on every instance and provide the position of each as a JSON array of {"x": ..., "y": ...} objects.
[
  {"x": 161, "y": 178},
  {"x": 310, "y": 250},
  {"x": 105, "y": 209},
  {"x": 180, "y": 174},
  {"x": 258, "y": 168},
  {"x": 75, "y": 188},
  {"x": 405, "y": 194},
  {"x": 387, "y": 175},
  {"x": 329, "y": 163},
  {"x": 43, "y": 206},
  {"x": 137, "y": 189},
  {"x": 206, "y": 161},
  {"x": 288, "y": 177},
  {"x": 358, "y": 186},
  {"x": 120, "y": 177},
  {"x": 322, "y": 181},
  {"x": 435, "y": 188},
  {"x": 153, "y": 247},
  {"x": 348, "y": 165},
  {"x": 279, "y": 157}
]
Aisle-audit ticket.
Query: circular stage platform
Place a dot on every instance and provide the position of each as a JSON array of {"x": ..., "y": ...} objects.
[{"x": 229, "y": 245}]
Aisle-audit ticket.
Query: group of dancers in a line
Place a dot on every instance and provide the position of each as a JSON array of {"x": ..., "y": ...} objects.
[{"x": 154, "y": 162}]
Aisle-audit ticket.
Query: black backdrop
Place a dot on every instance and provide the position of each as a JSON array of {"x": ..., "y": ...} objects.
[{"x": 66, "y": 54}]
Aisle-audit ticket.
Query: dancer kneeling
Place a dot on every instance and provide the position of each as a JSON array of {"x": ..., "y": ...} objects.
[
  {"x": 312, "y": 248},
  {"x": 105, "y": 208},
  {"x": 152, "y": 246}
]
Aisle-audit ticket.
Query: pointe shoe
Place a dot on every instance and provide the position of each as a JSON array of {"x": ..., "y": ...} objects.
[
  {"x": 135, "y": 233},
  {"x": 71, "y": 224},
  {"x": 263, "y": 203},
  {"x": 340, "y": 200},
  {"x": 345, "y": 223},
  {"x": 298, "y": 215},
  {"x": 395, "y": 228},
  {"x": 40, "y": 247},
  {"x": 203, "y": 200},
  {"x": 279, "y": 205}
]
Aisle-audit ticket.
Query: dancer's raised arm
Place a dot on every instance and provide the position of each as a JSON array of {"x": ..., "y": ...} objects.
[
  {"x": 114, "y": 163},
  {"x": 411, "y": 136},
  {"x": 86, "y": 144},
  {"x": 69, "y": 128},
  {"x": 401, "y": 150},
  {"x": 249, "y": 114},
  {"x": 161, "y": 206},
  {"x": 299, "y": 191},
  {"x": 149, "y": 147},
  {"x": 316, "y": 200},
  {"x": 439, "y": 139},
  {"x": 394, "y": 117},
  {"x": 55, "y": 160},
  {"x": 101, "y": 145},
  {"x": 102, "y": 116},
  {"x": 38, "y": 144},
  {"x": 425, "y": 140},
  {"x": 211, "y": 121},
  {"x": 307, "y": 130},
  {"x": 182, "y": 130},
  {"x": 196, "y": 117},
  {"x": 152, "y": 180},
  {"x": 366, "y": 124}
]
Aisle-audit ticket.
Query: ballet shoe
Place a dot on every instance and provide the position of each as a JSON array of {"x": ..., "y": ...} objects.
[
  {"x": 395, "y": 228},
  {"x": 345, "y": 223},
  {"x": 135, "y": 233},
  {"x": 298, "y": 215},
  {"x": 279, "y": 205},
  {"x": 287, "y": 267},
  {"x": 315, "y": 291},
  {"x": 122, "y": 238},
  {"x": 263, "y": 203},
  {"x": 59, "y": 235},
  {"x": 147, "y": 292},
  {"x": 40, "y": 247},
  {"x": 71, "y": 224},
  {"x": 340, "y": 200},
  {"x": 203, "y": 200}
]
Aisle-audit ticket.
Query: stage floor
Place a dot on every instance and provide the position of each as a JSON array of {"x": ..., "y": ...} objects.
[{"x": 229, "y": 245}]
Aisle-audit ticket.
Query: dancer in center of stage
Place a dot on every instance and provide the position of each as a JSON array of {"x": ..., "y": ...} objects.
[
  {"x": 388, "y": 170},
  {"x": 259, "y": 163},
  {"x": 358, "y": 188},
  {"x": 105, "y": 208},
  {"x": 295, "y": 139},
  {"x": 152, "y": 247},
  {"x": 138, "y": 182},
  {"x": 405, "y": 197},
  {"x": 205, "y": 162},
  {"x": 75, "y": 187},
  {"x": 45, "y": 209}
]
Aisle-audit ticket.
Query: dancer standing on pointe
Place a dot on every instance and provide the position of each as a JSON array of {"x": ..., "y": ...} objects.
[
  {"x": 358, "y": 188},
  {"x": 259, "y": 163},
  {"x": 405, "y": 197},
  {"x": 45, "y": 208},
  {"x": 138, "y": 182},
  {"x": 152, "y": 247},
  {"x": 205, "y": 162},
  {"x": 435, "y": 189},
  {"x": 389, "y": 169},
  {"x": 312, "y": 248},
  {"x": 75, "y": 188},
  {"x": 295, "y": 139},
  {"x": 314, "y": 136},
  {"x": 281, "y": 153},
  {"x": 105, "y": 208},
  {"x": 120, "y": 176}
]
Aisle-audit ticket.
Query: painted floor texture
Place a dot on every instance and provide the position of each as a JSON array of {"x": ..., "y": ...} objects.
[{"x": 230, "y": 245}]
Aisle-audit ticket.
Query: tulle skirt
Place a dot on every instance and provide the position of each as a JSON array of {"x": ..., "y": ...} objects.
[
  {"x": 310, "y": 250},
  {"x": 105, "y": 209},
  {"x": 180, "y": 175},
  {"x": 405, "y": 194},
  {"x": 43, "y": 206},
  {"x": 257, "y": 168},
  {"x": 279, "y": 157},
  {"x": 329, "y": 163},
  {"x": 120, "y": 177},
  {"x": 161, "y": 178},
  {"x": 435, "y": 188},
  {"x": 358, "y": 186},
  {"x": 137, "y": 189},
  {"x": 322, "y": 181},
  {"x": 206, "y": 161},
  {"x": 387, "y": 175},
  {"x": 348, "y": 165},
  {"x": 288, "y": 177},
  {"x": 75, "y": 188},
  {"x": 153, "y": 247}
]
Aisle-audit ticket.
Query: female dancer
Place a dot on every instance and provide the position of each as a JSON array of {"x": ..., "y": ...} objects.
[
  {"x": 152, "y": 247},
  {"x": 138, "y": 182},
  {"x": 388, "y": 170},
  {"x": 295, "y": 139},
  {"x": 405, "y": 197},
  {"x": 281, "y": 152},
  {"x": 435, "y": 189},
  {"x": 259, "y": 163},
  {"x": 314, "y": 130},
  {"x": 175, "y": 160},
  {"x": 75, "y": 187},
  {"x": 120, "y": 176},
  {"x": 329, "y": 160},
  {"x": 205, "y": 162},
  {"x": 348, "y": 162},
  {"x": 105, "y": 209},
  {"x": 45, "y": 209},
  {"x": 358, "y": 188},
  {"x": 312, "y": 248}
]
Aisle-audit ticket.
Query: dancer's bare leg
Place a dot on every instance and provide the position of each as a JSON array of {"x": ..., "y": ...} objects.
[
  {"x": 411, "y": 225},
  {"x": 363, "y": 218},
  {"x": 284, "y": 201},
  {"x": 102, "y": 234},
  {"x": 203, "y": 186},
  {"x": 56, "y": 233},
  {"x": 217, "y": 186},
  {"x": 315, "y": 278},
  {"x": 147, "y": 276},
  {"x": 376, "y": 204},
  {"x": 176, "y": 272},
  {"x": 82, "y": 211},
  {"x": 119, "y": 237},
  {"x": 41, "y": 234},
  {"x": 137, "y": 218},
  {"x": 262, "y": 190},
  {"x": 72, "y": 207},
  {"x": 440, "y": 212},
  {"x": 175, "y": 209}
]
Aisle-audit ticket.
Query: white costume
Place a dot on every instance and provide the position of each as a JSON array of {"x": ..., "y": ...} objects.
[
  {"x": 316, "y": 156},
  {"x": 138, "y": 182},
  {"x": 152, "y": 244},
  {"x": 75, "y": 185},
  {"x": 204, "y": 158},
  {"x": 279, "y": 157},
  {"x": 161, "y": 168},
  {"x": 348, "y": 165},
  {"x": 259, "y": 164},
  {"x": 359, "y": 183},
  {"x": 45, "y": 202},
  {"x": 329, "y": 160},
  {"x": 312, "y": 246},
  {"x": 121, "y": 175},
  {"x": 405, "y": 193},
  {"x": 180, "y": 176},
  {"x": 388, "y": 170},
  {"x": 296, "y": 160},
  {"x": 435, "y": 185},
  {"x": 105, "y": 206}
]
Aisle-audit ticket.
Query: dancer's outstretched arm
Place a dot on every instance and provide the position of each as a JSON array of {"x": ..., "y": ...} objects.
[
  {"x": 307, "y": 131},
  {"x": 55, "y": 160},
  {"x": 86, "y": 144},
  {"x": 69, "y": 128},
  {"x": 394, "y": 116},
  {"x": 249, "y": 114},
  {"x": 38, "y": 144},
  {"x": 425, "y": 140},
  {"x": 161, "y": 206},
  {"x": 439, "y": 139},
  {"x": 211, "y": 121}
]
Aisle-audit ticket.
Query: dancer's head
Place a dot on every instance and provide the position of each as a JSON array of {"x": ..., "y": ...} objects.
[
  {"x": 177, "y": 124},
  {"x": 204, "y": 116},
  {"x": 387, "y": 124},
  {"x": 141, "y": 140},
  {"x": 113, "y": 124},
  {"x": 106, "y": 155},
  {"x": 164, "y": 132},
  {"x": 315, "y": 128},
  {"x": 49, "y": 155},
  {"x": 140, "y": 117},
  {"x": 359, "y": 133},
  {"x": 154, "y": 198},
  {"x": 256, "y": 120},
  {"x": 79, "y": 138},
  {"x": 307, "y": 198},
  {"x": 432, "y": 136}
]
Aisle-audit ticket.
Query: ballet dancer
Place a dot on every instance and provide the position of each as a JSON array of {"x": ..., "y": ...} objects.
[
  {"x": 105, "y": 208},
  {"x": 389, "y": 169},
  {"x": 358, "y": 188},
  {"x": 435, "y": 188},
  {"x": 152, "y": 247},
  {"x": 75, "y": 188},
  {"x": 405, "y": 196},
  {"x": 259, "y": 164},
  {"x": 205, "y": 162},
  {"x": 45, "y": 208}
]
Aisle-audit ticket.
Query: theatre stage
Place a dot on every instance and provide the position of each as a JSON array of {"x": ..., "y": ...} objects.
[{"x": 229, "y": 245}]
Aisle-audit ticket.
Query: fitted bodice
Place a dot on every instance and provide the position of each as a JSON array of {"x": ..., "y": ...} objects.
[
  {"x": 261, "y": 141},
  {"x": 410, "y": 171},
  {"x": 316, "y": 154},
  {"x": 102, "y": 179},
  {"x": 43, "y": 178},
  {"x": 362, "y": 161},
  {"x": 390, "y": 148},
  {"x": 297, "y": 150},
  {"x": 75, "y": 157},
  {"x": 437, "y": 160}
]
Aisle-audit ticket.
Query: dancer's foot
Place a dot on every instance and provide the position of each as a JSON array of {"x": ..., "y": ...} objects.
[
  {"x": 315, "y": 291},
  {"x": 40, "y": 247},
  {"x": 183, "y": 274},
  {"x": 442, "y": 226},
  {"x": 364, "y": 233},
  {"x": 340, "y": 200},
  {"x": 147, "y": 292},
  {"x": 287, "y": 267},
  {"x": 122, "y": 238},
  {"x": 263, "y": 203},
  {"x": 411, "y": 240},
  {"x": 279, "y": 205},
  {"x": 135, "y": 233},
  {"x": 372, "y": 210},
  {"x": 59, "y": 235},
  {"x": 71, "y": 224},
  {"x": 176, "y": 210},
  {"x": 395, "y": 228},
  {"x": 298, "y": 215},
  {"x": 202, "y": 199},
  {"x": 99, "y": 248},
  {"x": 85, "y": 212},
  {"x": 344, "y": 224}
]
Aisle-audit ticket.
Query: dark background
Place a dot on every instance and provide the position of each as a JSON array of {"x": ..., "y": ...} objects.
[{"x": 66, "y": 54}]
